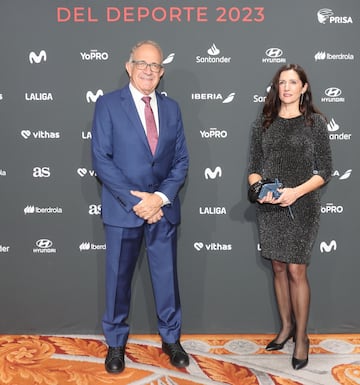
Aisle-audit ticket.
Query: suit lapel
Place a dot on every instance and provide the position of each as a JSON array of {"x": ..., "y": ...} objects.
[
  {"x": 130, "y": 110},
  {"x": 162, "y": 121}
]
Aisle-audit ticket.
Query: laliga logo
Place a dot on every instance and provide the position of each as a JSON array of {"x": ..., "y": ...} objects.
[
  {"x": 209, "y": 174},
  {"x": 324, "y": 14},
  {"x": 169, "y": 59},
  {"x": 213, "y": 50},
  {"x": 90, "y": 97},
  {"x": 327, "y": 248},
  {"x": 198, "y": 246},
  {"x": 34, "y": 58}
]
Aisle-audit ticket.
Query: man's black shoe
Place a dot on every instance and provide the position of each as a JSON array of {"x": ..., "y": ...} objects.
[
  {"x": 178, "y": 357},
  {"x": 115, "y": 362}
]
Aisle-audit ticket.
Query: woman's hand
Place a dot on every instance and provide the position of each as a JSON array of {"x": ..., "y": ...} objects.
[{"x": 287, "y": 198}]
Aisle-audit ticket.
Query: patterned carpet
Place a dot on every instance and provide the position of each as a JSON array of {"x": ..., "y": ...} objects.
[{"x": 216, "y": 359}]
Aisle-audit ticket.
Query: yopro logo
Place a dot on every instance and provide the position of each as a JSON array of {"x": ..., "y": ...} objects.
[
  {"x": 330, "y": 208},
  {"x": 94, "y": 54},
  {"x": 213, "y": 133}
]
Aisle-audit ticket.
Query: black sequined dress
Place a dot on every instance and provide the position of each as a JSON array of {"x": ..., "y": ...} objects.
[{"x": 292, "y": 152}]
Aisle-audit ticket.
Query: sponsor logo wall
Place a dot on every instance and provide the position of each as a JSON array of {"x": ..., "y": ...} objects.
[{"x": 219, "y": 61}]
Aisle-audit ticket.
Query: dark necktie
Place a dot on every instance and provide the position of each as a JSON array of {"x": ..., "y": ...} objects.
[{"x": 151, "y": 130}]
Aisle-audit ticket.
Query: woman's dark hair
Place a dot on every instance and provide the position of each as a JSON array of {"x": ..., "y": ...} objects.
[{"x": 272, "y": 102}]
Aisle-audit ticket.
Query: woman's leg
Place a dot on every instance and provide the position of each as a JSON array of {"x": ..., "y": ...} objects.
[
  {"x": 282, "y": 292},
  {"x": 300, "y": 299}
]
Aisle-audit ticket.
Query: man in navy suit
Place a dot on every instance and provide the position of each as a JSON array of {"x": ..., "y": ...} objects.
[{"x": 140, "y": 188}]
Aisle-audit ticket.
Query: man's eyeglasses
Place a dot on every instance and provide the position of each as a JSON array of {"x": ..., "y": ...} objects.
[{"x": 141, "y": 65}]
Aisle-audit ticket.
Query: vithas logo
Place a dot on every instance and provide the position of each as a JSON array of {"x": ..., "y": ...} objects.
[
  {"x": 35, "y": 58},
  {"x": 83, "y": 171},
  {"x": 213, "y": 246}
]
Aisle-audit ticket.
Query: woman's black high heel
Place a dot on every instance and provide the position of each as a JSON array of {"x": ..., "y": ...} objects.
[
  {"x": 273, "y": 345},
  {"x": 299, "y": 364}
]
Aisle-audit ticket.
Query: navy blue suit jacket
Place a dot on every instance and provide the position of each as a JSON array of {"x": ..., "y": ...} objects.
[{"x": 123, "y": 161}]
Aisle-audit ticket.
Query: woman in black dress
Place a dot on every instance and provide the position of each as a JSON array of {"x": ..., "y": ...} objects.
[{"x": 290, "y": 142}]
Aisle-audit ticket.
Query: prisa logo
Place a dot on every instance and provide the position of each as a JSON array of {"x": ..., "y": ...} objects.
[
  {"x": 37, "y": 58},
  {"x": 325, "y": 15}
]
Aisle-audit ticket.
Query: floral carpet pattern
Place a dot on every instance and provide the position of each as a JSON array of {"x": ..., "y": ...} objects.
[{"x": 214, "y": 359}]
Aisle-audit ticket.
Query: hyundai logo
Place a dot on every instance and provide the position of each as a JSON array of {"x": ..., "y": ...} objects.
[
  {"x": 44, "y": 243},
  {"x": 274, "y": 52},
  {"x": 333, "y": 92}
]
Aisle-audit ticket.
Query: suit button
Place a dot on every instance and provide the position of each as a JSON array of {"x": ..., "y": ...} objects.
[{"x": 152, "y": 164}]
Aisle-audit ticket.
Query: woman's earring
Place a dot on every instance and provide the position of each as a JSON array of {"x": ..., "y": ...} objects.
[{"x": 301, "y": 99}]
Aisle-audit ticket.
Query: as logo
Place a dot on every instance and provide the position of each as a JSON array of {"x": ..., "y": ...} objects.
[
  {"x": 37, "y": 58},
  {"x": 94, "y": 209},
  {"x": 41, "y": 172}
]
